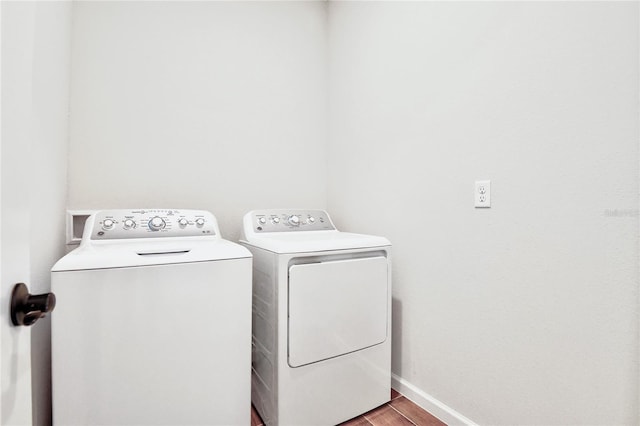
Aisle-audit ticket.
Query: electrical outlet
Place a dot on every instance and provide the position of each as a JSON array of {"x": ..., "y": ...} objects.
[{"x": 483, "y": 193}]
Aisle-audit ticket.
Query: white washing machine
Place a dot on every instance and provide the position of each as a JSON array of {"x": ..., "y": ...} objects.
[
  {"x": 321, "y": 318},
  {"x": 153, "y": 323}
]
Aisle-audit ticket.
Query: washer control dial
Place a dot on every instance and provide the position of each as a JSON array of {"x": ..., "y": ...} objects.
[
  {"x": 156, "y": 223},
  {"x": 262, "y": 220},
  {"x": 160, "y": 224},
  {"x": 293, "y": 220},
  {"x": 275, "y": 220}
]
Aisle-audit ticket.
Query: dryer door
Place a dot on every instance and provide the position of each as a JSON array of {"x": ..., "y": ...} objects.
[{"x": 336, "y": 307}]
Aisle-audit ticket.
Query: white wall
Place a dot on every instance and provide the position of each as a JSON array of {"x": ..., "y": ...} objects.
[
  {"x": 525, "y": 313},
  {"x": 35, "y": 99},
  {"x": 207, "y": 105}
]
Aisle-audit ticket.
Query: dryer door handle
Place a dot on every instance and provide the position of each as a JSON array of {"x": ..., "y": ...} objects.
[{"x": 28, "y": 308}]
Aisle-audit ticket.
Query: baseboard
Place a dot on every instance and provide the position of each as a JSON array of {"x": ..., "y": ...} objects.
[{"x": 429, "y": 403}]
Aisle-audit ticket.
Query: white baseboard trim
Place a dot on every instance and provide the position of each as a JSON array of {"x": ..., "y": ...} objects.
[{"x": 429, "y": 403}]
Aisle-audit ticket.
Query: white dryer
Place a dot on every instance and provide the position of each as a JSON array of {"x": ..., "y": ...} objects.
[
  {"x": 153, "y": 323},
  {"x": 321, "y": 318}
]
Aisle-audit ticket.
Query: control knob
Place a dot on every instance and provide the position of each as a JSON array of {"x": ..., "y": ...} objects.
[
  {"x": 262, "y": 220},
  {"x": 199, "y": 221},
  {"x": 275, "y": 220},
  {"x": 128, "y": 224},
  {"x": 107, "y": 224},
  {"x": 156, "y": 223},
  {"x": 293, "y": 220},
  {"x": 183, "y": 222}
]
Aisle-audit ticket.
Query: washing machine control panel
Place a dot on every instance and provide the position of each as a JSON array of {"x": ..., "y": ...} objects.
[
  {"x": 291, "y": 221},
  {"x": 152, "y": 223}
]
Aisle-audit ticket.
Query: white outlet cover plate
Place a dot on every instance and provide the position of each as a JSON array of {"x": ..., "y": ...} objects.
[{"x": 483, "y": 194}]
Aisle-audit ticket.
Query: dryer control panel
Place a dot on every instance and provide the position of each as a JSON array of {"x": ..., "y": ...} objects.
[
  {"x": 290, "y": 221},
  {"x": 150, "y": 223}
]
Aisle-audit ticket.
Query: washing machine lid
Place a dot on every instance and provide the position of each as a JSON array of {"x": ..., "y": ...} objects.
[
  {"x": 143, "y": 237},
  {"x": 301, "y": 231},
  {"x": 136, "y": 253}
]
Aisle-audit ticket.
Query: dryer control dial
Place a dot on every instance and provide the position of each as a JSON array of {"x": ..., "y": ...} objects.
[
  {"x": 280, "y": 220},
  {"x": 293, "y": 220},
  {"x": 156, "y": 223}
]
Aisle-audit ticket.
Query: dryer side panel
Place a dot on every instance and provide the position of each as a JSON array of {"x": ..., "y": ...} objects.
[
  {"x": 264, "y": 358},
  {"x": 336, "y": 307}
]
